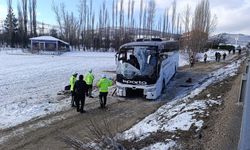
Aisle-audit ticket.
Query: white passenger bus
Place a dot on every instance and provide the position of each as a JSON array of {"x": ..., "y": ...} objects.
[{"x": 146, "y": 65}]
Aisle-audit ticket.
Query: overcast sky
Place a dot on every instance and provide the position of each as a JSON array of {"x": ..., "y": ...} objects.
[{"x": 233, "y": 15}]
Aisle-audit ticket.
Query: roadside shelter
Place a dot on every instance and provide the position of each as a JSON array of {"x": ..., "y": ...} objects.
[{"x": 48, "y": 43}]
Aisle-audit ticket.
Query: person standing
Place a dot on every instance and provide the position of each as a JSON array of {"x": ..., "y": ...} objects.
[
  {"x": 233, "y": 50},
  {"x": 216, "y": 56},
  {"x": 191, "y": 61},
  {"x": 224, "y": 56},
  {"x": 239, "y": 51},
  {"x": 205, "y": 58},
  {"x": 103, "y": 85},
  {"x": 80, "y": 90},
  {"x": 89, "y": 78},
  {"x": 219, "y": 56},
  {"x": 72, "y": 81}
]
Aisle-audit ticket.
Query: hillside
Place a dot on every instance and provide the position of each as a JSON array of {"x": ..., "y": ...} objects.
[{"x": 231, "y": 38}]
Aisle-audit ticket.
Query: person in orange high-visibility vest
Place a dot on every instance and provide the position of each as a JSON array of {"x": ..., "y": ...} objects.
[{"x": 103, "y": 85}]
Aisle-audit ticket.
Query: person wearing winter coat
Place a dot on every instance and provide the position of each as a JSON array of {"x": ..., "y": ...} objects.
[
  {"x": 219, "y": 56},
  {"x": 205, "y": 58},
  {"x": 224, "y": 56},
  {"x": 72, "y": 81},
  {"x": 191, "y": 61},
  {"x": 103, "y": 85},
  {"x": 89, "y": 79},
  {"x": 80, "y": 90}
]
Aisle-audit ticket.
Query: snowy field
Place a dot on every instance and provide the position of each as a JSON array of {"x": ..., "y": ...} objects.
[{"x": 29, "y": 83}]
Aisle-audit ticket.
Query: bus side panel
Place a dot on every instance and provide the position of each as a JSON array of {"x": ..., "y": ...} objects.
[{"x": 169, "y": 67}]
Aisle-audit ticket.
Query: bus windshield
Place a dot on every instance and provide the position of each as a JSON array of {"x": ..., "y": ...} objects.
[{"x": 137, "y": 61}]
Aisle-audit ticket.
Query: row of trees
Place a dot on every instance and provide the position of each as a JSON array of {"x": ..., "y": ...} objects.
[
  {"x": 105, "y": 28},
  {"x": 116, "y": 26},
  {"x": 16, "y": 28}
]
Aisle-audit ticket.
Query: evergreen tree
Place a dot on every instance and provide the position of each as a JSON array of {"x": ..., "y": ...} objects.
[
  {"x": 53, "y": 32},
  {"x": 11, "y": 28}
]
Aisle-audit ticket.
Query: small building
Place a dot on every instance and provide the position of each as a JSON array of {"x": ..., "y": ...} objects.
[{"x": 48, "y": 43}]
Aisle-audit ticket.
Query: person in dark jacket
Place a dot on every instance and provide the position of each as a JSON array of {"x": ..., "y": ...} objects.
[
  {"x": 219, "y": 56},
  {"x": 191, "y": 61},
  {"x": 205, "y": 58},
  {"x": 224, "y": 56},
  {"x": 80, "y": 90},
  {"x": 216, "y": 56}
]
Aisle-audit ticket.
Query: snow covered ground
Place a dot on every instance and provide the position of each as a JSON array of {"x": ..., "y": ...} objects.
[
  {"x": 200, "y": 56},
  {"x": 29, "y": 83},
  {"x": 179, "y": 115}
]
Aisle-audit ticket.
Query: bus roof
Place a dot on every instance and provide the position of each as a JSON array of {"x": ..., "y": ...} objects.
[{"x": 147, "y": 43}]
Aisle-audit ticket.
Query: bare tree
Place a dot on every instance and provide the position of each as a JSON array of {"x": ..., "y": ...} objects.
[
  {"x": 128, "y": 15},
  {"x": 34, "y": 5},
  {"x": 197, "y": 33},
  {"x": 113, "y": 14},
  {"x": 151, "y": 16},
  {"x": 140, "y": 17},
  {"x": 81, "y": 18},
  {"x": 116, "y": 14},
  {"x": 165, "y": 22},
  {"x": 121, "y": 14},
  {"x": 31, "y": 18},
  {"x": 159, "y": 26},
  {"x": 132, "y": 14},
  {"x": 69, "y": 24},
  {"x": 144, "y": 19},
  {"x": 55, "y": 8},
  {"x": 178, "y": 24},
  {"x": 121, "y": 26},
  {"x": 20, "y": 22},
  {"x": 25, "y": 21},
  {"x": 173, "y": 16}
]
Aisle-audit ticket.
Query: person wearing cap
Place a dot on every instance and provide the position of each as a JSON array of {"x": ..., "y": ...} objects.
[
  {"x": 80, "y": 90},
  {"x": 89, "y": 78},
  {"x": 72, "y": 84},
  {"x": 103, "y": 85}
]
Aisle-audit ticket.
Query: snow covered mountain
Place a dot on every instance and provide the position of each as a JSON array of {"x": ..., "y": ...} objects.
[{"x": 235, "y": 39}]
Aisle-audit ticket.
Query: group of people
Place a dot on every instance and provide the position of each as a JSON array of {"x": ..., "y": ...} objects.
[
  {"x": 218, "y": 56},
  {"x": 83, "y": 87}
]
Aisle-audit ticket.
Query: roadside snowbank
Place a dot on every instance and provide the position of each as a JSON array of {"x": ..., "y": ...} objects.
[{"x": 172, "y": 117}]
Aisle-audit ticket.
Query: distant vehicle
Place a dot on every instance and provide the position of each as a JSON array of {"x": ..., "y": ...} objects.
[{"x": 146, "y": 65}]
